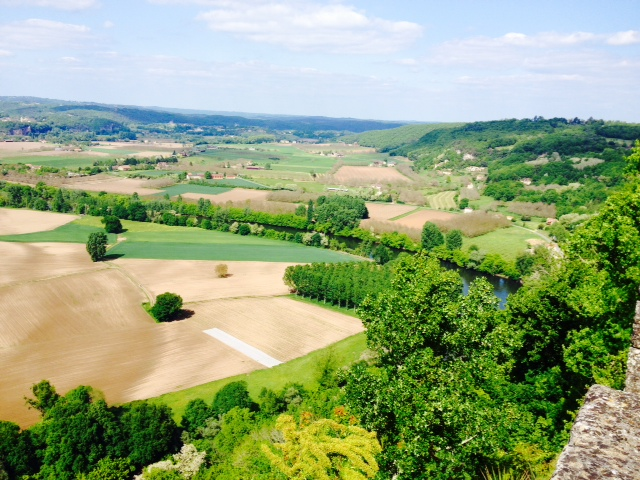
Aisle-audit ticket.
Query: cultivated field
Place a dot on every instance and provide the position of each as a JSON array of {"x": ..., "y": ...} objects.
[
  {"x": 19, "y": 221},
  {"x": 387, "y": 211},
  {"x": 196, "y": 280},
  {"x": 418, "y": 219},
  {"x": 75, "y": 322},
  {"x": 443, "y": 200},
  {"x": 33, "y": 261},
  {"x": 360, "y": 175},
  {"x": 13, "y": 148},
  {"x": 109, "y": 184},
  {"x": 263, "y": 323}
]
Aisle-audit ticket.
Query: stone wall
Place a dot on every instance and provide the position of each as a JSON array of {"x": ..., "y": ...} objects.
[{"x": 605, "y": 438}]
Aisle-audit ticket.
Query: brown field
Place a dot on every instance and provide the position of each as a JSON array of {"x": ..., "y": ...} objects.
[
  {"x": 74, "y": 322},
  {"x": 351, "y": 175},
  {"x": 11, "y": 148},
  {"x": 386, "y": 211},
  {"x": 263, "y": 323},
  {"x": 196, "y": 280},
  {"x": 104, "y": 183},
  {"x": 19, "y": 221},
  {"x": 23, "y": 262},
  {"x": 235, "y": 195},
  {"x": 161, "y": 145},
  {"x": 418, "y": 219}
]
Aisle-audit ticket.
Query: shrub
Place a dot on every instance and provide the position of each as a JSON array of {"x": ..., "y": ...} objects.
[
  {"x": 112, "y": 224},
  {"x": 166, "y": 306},
  {"x": 222, "y": 270},
  {"x": 244, "y": 229}
]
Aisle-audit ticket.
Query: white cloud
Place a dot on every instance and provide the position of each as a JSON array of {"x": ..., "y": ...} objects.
[
  {"x": 42, "y": 34},
  {"x": 5, "y": 53},
  {"x": 547, "y": 50},
  {"x": 59, "y": 4},
  {"x": 70, "y": 60},
  {"x": 630, "y": 37},
  {"x": 108, "y": 24},
  {"x": 409, "y": 62},
  {"x": 305, "y": 25}
]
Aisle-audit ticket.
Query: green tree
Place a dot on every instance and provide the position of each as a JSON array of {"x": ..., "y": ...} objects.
[
  {"x": 110, "y": 469},
  {"x": 195, "y": 415},
  {"x": 454, "y": 240},
  {"x": 166, "y": 307},
  {"x": 45, "y": 396},
  {"x": 97, "y": 246},
  {"x": 234, "y": 394},
  {"x": 150, "y": 432},
  {"x": 112, "y": 224},
  {"x": 438, "y": 394},
  {"x": 431, "y": 236}
]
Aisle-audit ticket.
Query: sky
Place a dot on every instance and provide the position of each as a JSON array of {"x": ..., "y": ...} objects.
[{"x": 410, "y": 60}]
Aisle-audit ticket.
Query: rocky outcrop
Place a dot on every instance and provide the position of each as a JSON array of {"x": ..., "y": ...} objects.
[{"x": 605, "y": 438}]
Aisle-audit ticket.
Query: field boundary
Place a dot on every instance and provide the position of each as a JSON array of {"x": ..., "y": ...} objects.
[{"x": 406, "y": 214}]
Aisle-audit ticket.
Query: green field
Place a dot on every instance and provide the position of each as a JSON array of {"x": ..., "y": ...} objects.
[
  {"x": 70, "y": 233},
  {"x": 443, "y": 200},
  {"x": 188, "y": 188},
  {"x": 304, "y": 370},
  {"x": 283, "y": 158},
  {"x": 508, "y": 242},
  {"x": 153, "y": 240},
  {"x": 55, "y": 161},
  {"x": 236, "y": 182},
  {"x": 278, "y": 252}
]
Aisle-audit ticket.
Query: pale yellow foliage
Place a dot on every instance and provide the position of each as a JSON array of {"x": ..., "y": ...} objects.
[
  {"x": 222, "y": 270},
  {"x": 324, "y": 450}
]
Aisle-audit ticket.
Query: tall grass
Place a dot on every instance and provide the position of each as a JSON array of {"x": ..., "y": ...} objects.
[
  {"x": 383, "y": 226},
  {"x": 292, "y": 197},
  {"x": 474, "y": 224},
  {"x": 259, "y": 206},
  {"x": 538, "y": 209}
]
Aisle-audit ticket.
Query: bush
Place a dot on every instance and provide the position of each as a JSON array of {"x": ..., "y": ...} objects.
[
  {"x": 112, "y": 224},
  {"x": 166, "y": 306},
  {"x": 222, "y": 270},
  {"x": 244, "y": 229}
]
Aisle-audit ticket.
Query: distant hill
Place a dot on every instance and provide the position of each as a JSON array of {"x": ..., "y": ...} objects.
[
  {"x": 526, "y": 159},
  {"x": 73, "y": 114},
  {"x": 389, "y": 139}
]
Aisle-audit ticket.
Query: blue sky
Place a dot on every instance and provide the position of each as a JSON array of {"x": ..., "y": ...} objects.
[{"x": 460, "y": 60}]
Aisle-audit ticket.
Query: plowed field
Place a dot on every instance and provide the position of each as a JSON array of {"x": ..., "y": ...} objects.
[
  {"x": 74, "y": 322},
  {"x": 196, "y": 280},
  {"x": 126, "y": 186},
  {"x": 381, "y": 211},
  {"x": 19, "y": 221},
  {"x": 349, "y": 175},
  {"x": 235, "y": 195},
  {"x": 418, "y": 219},
  {"x": 280, "y": 327}
]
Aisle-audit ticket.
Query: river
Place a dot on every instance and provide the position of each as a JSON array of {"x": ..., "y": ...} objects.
[{"x": 502, "y": 287}]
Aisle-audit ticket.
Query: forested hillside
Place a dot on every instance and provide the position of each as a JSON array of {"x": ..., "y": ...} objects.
[
  {"x": 38, "y": 118},
  {"x": 569, "y": 163}
]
